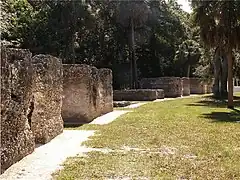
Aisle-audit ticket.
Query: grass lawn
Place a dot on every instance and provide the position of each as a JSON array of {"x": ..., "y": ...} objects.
[{"x": 192, "y": 138}]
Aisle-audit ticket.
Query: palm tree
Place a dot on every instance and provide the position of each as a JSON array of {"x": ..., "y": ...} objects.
[
  {"x": 132, "y": 15},
  {"x": 188, "y": 54},
  {"x": 219, "y": 23}
]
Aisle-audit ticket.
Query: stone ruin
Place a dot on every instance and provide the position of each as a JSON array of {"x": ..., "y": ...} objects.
[
  {"x": 199, "y": 86},
  {"x": 31, "y": 99},
  {"x": 46, "y": 120},
  {"x": 185, "y": 86},
  {"x": 172, "y": 86},
  {"x": 87, "y": 93},
  {"x": 17, "y": 139},
  {"x": 138, "y": 94}
]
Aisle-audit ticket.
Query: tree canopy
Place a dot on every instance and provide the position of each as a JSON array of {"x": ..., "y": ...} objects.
[{"x": 145, "y": 38}]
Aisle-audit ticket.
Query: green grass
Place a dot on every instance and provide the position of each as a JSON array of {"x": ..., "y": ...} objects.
[{"x": 192, "y": 138}]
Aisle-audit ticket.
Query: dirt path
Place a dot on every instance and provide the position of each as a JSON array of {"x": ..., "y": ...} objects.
[{"x": 47, "y": 159}]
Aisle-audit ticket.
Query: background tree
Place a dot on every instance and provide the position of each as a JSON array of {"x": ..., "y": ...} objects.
[
  {"x": 107, "y": 34},
  {"x": 220, "y": 26}
]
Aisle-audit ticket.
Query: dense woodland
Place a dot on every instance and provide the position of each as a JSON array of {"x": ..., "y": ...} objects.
[{"x": 134, "y": 38}]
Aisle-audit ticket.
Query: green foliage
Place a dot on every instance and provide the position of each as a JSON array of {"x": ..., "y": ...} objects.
[
  {"x": 98, "y": 32},
  {"x": 219, "y": 22},
  {"x": 219, "y": 26}
]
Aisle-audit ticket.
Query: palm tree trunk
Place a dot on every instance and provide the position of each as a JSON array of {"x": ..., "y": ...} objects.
[
  {"x": 230, "y": 79},
  {"x": 133, "y": 62},
  {"x": 69, "y": 54},
  {"x": 188, "y": 70},
  {"x": 133, "y": 56}
]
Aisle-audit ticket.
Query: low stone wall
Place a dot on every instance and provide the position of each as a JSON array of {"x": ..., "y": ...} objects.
[
  {"x": 138, "y": 95},
  {"x": 160, "y": 94},
  {"x": 210, "y": 86},
  {"x": 87, "y": 93},
  {"x": 198, "y": 86},
  {"x": 17, "y": 139},
  {"x": 46, "y": 120},
  {"x": 185, "y": 86},
  {"x": 172, "y": 86}
]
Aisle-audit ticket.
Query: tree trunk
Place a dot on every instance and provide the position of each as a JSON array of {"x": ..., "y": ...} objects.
[
  {"x": 188, "y": 70},
  {"x": 134, "y": 83},
  {"x": 230, "y": 79},
  {"x": 69, "y": 54},
  {"x": 224, "y": 74},
  {"x": 70, "y": 50},
  {"x": 217, "y": 72}
]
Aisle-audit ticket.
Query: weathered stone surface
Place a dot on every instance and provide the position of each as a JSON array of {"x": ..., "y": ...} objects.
[
  {"x": 198, "y": 86},
  {"x": 87, "y": 93},
  {"x": 210, "y": 86},
  {"x": 171, "y": 85},
  {"x": 17, "y": 140},
  {"x": 185, "y": 86},
  {"x": 160, "y": 93},
  {"x": 105, "y": 90},
  {"x": 46, "y": 120},
  {"x": 135, "y": 95}
]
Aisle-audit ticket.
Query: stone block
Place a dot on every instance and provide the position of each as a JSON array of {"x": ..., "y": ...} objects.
[
  {"x": 198, "y": 86},
  {"x": 17, "y": 139},
  {"x": 135, "y": 95},
  {"x": 87, "y": 93},
  {"x": 210, "y": 86},
  {"x": 105, "y": 90},
  {"x": 185, "y": 86},
  {"x": 171, "y": 85},
  {"x": 46, "y": 120}
]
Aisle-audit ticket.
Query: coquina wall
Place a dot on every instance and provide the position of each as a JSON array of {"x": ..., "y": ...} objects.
[
  {"x": 46, "y": 120},
  {"x": 199, "y": 86},
  {"x": 172, "y": 86},
  {"x": 106, "y": 90},
  {"x": 17, "y": 139},
  {"x": 185, "y": 86},
  {"x": 87, "y": 93},
  {"x": 31, "y": 99}
]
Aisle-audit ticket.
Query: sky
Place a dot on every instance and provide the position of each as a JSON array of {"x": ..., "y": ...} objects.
[{"x": 185, "y": 5}]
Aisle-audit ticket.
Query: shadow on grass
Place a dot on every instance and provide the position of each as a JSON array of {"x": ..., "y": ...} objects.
[
  {"x": 233, "y": 116},
  {"x": 210, "y": 101}
]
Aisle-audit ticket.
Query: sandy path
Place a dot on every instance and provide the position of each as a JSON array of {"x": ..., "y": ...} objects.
[
  {"x": 109, "y": 117},
  {"x": 47, "y": 159}
]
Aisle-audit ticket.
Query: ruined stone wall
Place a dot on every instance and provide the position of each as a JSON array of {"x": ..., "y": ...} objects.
[
  {"x": 106, "y": 90},
  {"x": 172, "y": 86},
  {"x": 31, "y": 100},
  {"x": 87, "y": 93},
  {"x": 17, "y": 139},
  {"x": 46, "y": 120},
  {"x": 210, "y": 86},
  {"x": 138, "y": 94},
  {"x": 185, "y": 86},
  {"x": 198, "y": 86},
  {"x": 135, "y": 95}
]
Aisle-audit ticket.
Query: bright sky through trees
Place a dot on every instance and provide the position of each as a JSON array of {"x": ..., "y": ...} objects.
[{"x": 185, "y": 5}]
